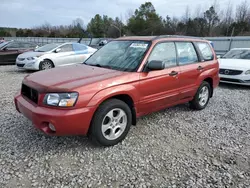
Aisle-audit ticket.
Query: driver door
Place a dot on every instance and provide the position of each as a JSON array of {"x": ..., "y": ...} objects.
[
  {"x": 10, "y": 52},
  {"x": 160, "y": 88}
]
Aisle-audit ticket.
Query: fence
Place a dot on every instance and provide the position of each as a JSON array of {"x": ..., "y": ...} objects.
[
  {"x": 46, "y": 40},
  {"x": 221, "y": 44}
]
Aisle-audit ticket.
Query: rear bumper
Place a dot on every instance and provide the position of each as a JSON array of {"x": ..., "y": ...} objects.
[{"x": 66, "y": 122}]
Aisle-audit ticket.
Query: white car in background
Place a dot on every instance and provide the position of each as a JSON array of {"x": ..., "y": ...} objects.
[
  {"x": 235, "y": 66},
  {"x": 54, "y": 55}
]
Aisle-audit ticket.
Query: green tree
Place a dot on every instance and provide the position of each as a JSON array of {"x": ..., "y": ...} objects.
[
  {"x": 145, "y": 21},
  {"x": 95, "y": 26},
  {"x": 212, "y": 19}
]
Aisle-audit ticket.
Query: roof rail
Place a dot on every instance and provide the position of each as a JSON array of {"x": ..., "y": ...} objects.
[{"x": 177, "y": 36}]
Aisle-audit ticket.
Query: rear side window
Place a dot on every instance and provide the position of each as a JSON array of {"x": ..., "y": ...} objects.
[
  {"x": 205, "y": 50},
  {"x": 186, "y": 53},
  {"x": 79, "y": 47},
  {"x": 66, "y": 48},
  {"x": 165, "y": 52}
]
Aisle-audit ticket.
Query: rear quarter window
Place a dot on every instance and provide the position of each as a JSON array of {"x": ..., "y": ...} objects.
[{"x": 205, "y": 50}]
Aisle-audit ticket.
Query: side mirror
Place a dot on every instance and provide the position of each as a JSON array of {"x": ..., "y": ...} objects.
[
  {"x": 155, "y": 65},
  {"x": 218, "y": 56},
  {"x": 58, "y": 50},
  {"x": 5, "y": 49}
]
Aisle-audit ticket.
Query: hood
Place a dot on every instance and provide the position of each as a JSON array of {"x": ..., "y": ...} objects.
[
  {"x": 70, "y": 77},
  {"x": 241, "y": 64},
  {"x": 31, "y": 54}
]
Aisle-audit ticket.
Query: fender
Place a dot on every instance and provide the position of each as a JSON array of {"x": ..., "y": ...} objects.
[
  {"x": 210, "y": 73},
  {"x": 127, "y": 89}
]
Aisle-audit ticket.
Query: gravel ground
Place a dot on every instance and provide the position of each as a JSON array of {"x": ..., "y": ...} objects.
[{"x": 176, "y": 147}]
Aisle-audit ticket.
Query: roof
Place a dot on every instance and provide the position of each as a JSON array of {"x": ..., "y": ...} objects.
[
  {"x": 151, "y": 38},
  {"x": 146, "y": 38}
]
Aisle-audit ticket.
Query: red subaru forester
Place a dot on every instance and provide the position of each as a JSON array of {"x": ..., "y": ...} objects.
[{"x": 127, "y": 78}]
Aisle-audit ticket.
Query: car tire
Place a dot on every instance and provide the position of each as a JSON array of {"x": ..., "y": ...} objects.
[
  {"x": 111, "y": 123},
  {"x": 201, "y": 97},
  {"x": 46, "y": 64}
]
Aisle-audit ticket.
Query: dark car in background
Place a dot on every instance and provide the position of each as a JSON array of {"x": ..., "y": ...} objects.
[
  {"x": 98, "y": 43},
  {"x": 11, "y": 49}
]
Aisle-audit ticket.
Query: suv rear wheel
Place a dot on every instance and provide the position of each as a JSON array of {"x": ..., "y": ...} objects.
[
  {"x": 202, "y": 97},
  {"x": 111, "y": 122}
]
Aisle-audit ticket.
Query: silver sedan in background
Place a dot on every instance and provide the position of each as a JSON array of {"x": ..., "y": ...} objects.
[{"x": 54, "y": 55}]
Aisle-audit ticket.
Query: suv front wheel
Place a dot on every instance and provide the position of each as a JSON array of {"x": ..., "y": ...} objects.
[
  {"x": 202, "y": 96},
  {"x": 111, "y": 122}
]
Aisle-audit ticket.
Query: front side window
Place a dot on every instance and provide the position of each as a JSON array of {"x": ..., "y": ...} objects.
[
  {"x": 47, "y": 48},
  {"x": 66, "y": 48},
  {"x": 205, "y": 50},
  {"x": 13, "y": 45},
  {"x": 164, "y": 52},
  {"x": 186, "y": 53},
  {"x": 120, "y": 55},
  {"x": 237, "y": 54}
]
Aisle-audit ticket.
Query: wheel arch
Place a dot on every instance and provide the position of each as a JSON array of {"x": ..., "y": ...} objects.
[
  {"x": 210, "y": 81},
  {"x": 47, "y": 59},
  {"x": 125, "y": 97}
]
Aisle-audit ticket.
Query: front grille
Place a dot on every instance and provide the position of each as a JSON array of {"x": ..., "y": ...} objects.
[
  {"x": 230, "y": 72},
  {"x": 30, "y": 93},
  {"x": 20, "y": 65},
  {"x": 21, "y": 59},
  {"x": 230, "y": 80}
]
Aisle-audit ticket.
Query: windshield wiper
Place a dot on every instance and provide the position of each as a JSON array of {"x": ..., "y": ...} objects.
[{"x": 98, "y": 65}]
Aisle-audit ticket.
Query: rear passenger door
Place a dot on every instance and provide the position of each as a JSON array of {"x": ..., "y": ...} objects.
[
  {"x": 81, "y": 52},
  {"x": 160, "y": 88},
  {"x": 190, "y": 69}
]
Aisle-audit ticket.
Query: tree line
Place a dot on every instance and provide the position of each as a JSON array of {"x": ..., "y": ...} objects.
[{"x": 146, "y": 21}]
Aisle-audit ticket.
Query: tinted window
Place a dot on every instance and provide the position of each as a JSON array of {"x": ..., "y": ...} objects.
[
  {"x": 66, "y": 48},
  {"x": 205, "y": 50},
  {"x": 29, "y": 45},
  {"x": 186, "y": 53},
  {"x": 164, "y": 52},
  {"x": 13, "y": 45},
  {"x": 237, "y": 54},
  {"x": 79, "y": 47}
]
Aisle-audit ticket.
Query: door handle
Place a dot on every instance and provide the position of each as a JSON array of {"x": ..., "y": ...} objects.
[
  {"x": 173, "y": 73},
  {"x": 200, "y": 68}
]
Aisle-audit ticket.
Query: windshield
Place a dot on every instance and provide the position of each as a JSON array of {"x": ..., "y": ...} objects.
[
  {"x": 47, "y": 48},
  {"x": 3, "y": 44},
  {"x": 120, "y": 55},
  {"x": 237, "y": 54}
]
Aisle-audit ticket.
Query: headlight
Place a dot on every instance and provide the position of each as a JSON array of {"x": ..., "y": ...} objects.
[
  {"x": 247, "y": 72},
  {"x": 61, "y": 99},
  {"x": 31, "y": 58}
]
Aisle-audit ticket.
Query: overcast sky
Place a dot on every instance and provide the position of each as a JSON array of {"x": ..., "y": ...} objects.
[{"x": 30, "y": 13}]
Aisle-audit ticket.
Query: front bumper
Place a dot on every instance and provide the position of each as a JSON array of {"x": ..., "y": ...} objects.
[
  {"x": 28, "y": 64},
  {"x": 242, "y": 79},
  {"x": 66, "y": 122}
]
